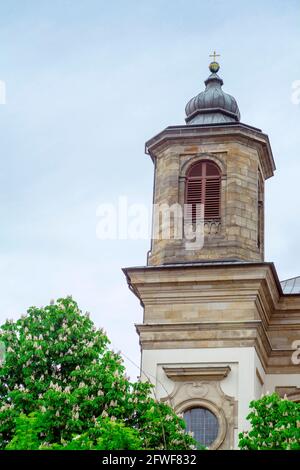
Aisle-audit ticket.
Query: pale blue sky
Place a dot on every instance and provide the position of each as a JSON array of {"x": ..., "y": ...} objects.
[{"x": 88, "y": 82}]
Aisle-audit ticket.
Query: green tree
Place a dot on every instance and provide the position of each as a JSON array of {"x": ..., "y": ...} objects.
[
  {"x": 104, "y": 435},
  {"x": 275, "y": 425},
  {"x": 62, "y": 387}
]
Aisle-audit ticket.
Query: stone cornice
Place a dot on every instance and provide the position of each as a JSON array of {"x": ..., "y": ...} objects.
[
  {"x": 215, "y": 282},
  {"x": 236, "y": 131},
  {"x": 213, "y": 305},
  {"x": 179, "y": 374},
  {"x": 248, "y": 272},
  {"x": 291, "y": 393},
  {"x": 206, "y": 335}
]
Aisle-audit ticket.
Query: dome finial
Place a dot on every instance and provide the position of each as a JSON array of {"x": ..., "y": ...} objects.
[
  {"x": 213, "y": 105},
  {"x": 214, "y": 65}
]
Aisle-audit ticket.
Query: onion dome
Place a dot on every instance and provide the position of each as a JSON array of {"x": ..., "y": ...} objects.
[{"x": 213, "y": 105}]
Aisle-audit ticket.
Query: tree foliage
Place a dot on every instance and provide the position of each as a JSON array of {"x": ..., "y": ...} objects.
[
  {"x": 275, "y": 425},
  {"x": 61, "y": 387}
]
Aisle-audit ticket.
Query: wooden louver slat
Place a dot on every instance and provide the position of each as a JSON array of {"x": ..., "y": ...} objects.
[{"x": 204, "y": 190}]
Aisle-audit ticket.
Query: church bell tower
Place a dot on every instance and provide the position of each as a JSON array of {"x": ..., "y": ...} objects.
[
  {"x": 217, "y": 161},
  {"x": 215, "y": 332}
]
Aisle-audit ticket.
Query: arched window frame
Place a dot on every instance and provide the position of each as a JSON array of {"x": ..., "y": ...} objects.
[
  {"x": 218, "y": 412},
  {"x": 205, "y": 189}
]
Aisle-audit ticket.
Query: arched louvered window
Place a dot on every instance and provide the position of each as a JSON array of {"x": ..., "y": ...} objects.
[{"x": 203, "y": 186}]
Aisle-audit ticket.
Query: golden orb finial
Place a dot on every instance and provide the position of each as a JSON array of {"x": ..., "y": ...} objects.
[{"x": 214, "y": 65}]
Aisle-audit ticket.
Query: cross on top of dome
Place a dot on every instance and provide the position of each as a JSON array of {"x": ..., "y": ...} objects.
[
  {"x": 214, "y": 65},
  {"x": 213, "y": 105}
]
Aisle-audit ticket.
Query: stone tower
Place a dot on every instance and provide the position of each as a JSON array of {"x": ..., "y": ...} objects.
[
  {"x": 242, "y": 153},
  {"x": 218, "y": 329}
]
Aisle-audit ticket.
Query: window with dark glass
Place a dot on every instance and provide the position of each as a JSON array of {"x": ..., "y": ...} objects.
[
  {"x": 203, "y": 423},
  {"x": 203, "y": 186}
]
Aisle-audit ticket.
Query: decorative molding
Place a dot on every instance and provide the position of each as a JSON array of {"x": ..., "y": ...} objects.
[
  {"x": 197, "y": 390},
  {"x": 291, "y": 393},
  {"x": 193, "y": 135},
  {"x": 207, "y": 394},
  {"x": 180, "y": 374},
  {"x": 217, "y": 157},
  {"x": 212, "y": 226},
  {"x": 185, "y": 299},
  {"x": 259, "y": 377}
]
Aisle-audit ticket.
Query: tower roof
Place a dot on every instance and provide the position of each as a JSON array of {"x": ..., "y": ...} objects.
[
  {"x": 291, "y": 286},
  {"x": 213, "y": 105}
]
